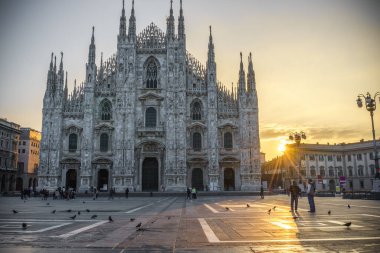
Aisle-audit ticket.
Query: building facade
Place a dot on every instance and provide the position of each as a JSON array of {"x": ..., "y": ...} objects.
[
  {"x": 345, "y": 165},
  {"x": 9, "y": 138},
  {"x": 150, "y": 118},
  {"x": 29, "y": 159}
]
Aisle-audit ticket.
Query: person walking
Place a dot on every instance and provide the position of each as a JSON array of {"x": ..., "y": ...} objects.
[
  {"x": 188, "y": 191},
  {"x": 310, "y": 195},
  {"x": 295, "y": 192},
  {"x": 126, "y": 192},
  {"x": 262, "y": 192},
  {"x": 194, "y": 193}
]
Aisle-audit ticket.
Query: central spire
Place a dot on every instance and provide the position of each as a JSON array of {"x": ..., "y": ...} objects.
[
  {"x": 181, "y": 23},
  {"x": 241, "y": 76},
  {"x": 91, "y": 51},
  {"x": 211, "y": 53},
  {"x": 132, "y": 24},
  {"x": 123, "y": 25}
]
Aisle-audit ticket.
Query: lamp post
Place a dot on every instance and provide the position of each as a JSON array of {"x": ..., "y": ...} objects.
[
  {"x": 370, "y": 105},
  {"x": 297, "y": 137}
]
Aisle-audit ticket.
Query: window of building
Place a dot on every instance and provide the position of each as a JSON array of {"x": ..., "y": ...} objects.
[
  {"x": 312, "y": 171},
  {"x": 339, "y": 158},
  {"x": 23, "y": 143},
  {"x": 104, "y": 142},
  {"x": 350, "y": 171},
  {"x": 73, "y": 142},
  {"x": 321, "y": 158},
  {"x": 371, "y": 156},
  {"x": 360, "y": 170},
  {"x": 20, "y": 166},
  {"x": 331, "y": 171},
  {"x": 361, "y": 184},
  {"x": 105, "y": 110},
  {"x": 228, "y": 140},
  {"x": 329, "y": 158},
  {"x": 322, "y": 171},
  {"x": 372, "y": 169},
  {"x": 197, "y": 141},
  {"x": 311, "y": 157},
  {"x": 303, "y": 172},
  {"x": 340, "y": 171},
  {"x": 350, "y": 184},
  {"x": 349, "y": 158},
  {"x": 23, "y": 151},
  {"x": 196, "y": 111},
  {"x": 151, "y": 75},
  {"x": 359, "y": 157},
  {"x": 150, "y": 117}
]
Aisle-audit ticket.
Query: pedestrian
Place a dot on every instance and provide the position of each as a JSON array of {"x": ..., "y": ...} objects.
[
  {"x": 194, "y": 193},
  {"x": 262, "y": 192},
  {"x": 310, "y": 195},
  {"x": 188, "y": 191},
  {"x": 126, "y": 192},
  {"x": 295, "y": 192},
  {"x": 95, "y": 194}
]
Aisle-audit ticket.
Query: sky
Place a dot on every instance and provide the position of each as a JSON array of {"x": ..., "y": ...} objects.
[{"x": 311, "y": 58}]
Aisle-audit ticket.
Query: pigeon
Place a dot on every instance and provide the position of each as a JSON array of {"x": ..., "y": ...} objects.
[
  {"x": 47, "y": 203},
  {"x": 78, "y": 212},
  {"x": 347, "y": 224},
  {"x": 169, "y": 217},
  {"x": 329, "y": 212},
  {"x": 14, "y": 211},
  {"x": 88, "y": 210},
  {"x": 84, "y": 202},
  {"x": 110, "y": 219},
  {"x": 227, "y": 209},
  {"x": 248, "y": 205},
  {"x": 274, "y": 208},
  {"x": 138, "y": 225},
  {"x": 69, "y": 210},
  {"x": 132, "y": 219},
  {"x": 269, "y": 211},
  {"x": 94, "y": 216},
  {"x": 53, "y": 211},
  {"x": 73, "y": 217},
  {"x": 24, "y": 225},
  {"x": 348, "y": 206}
]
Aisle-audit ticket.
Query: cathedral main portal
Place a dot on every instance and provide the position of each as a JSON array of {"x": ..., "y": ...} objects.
[{"x": 150, "y": 174}]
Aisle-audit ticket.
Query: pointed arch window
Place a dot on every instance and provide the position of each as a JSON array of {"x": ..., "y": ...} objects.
[
  {"x": 106, "y": 110},
  {"x": 151, "y": 75},
  {"x": 73, "y": 142},
  {"x": 197, "y": 142},
  {"x": 228, "y": 140},
  {"x": 103, "y": 142},
  {"x": 196, "y": 111},
  {"x": 150, "y": 117}
]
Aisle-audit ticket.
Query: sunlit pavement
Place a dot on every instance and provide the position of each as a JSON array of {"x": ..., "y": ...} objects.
[{"x": 174, "y": 224}]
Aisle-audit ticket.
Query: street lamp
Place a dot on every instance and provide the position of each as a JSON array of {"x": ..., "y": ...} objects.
[
  {"x": 297, "y": 137},
  {"x": 370, "y": 105}
]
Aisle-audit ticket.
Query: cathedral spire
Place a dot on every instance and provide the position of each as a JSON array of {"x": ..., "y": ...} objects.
[
  {"x": 211, "y": 53},
  {"x": 132, "y": 24},
  {"x": 123, "y": 26},
  {"x": 170, "y": 23},
  {"x": 241, "y": 76},
  {"x": 181, "y": 23},
  {"x": 91, "y": 51},
  {"x": 51, "y": 62},
  {"x": 101, "y": 70},
  {"x": 251, "y": 75},
  {"x": 65, "y": 90}
]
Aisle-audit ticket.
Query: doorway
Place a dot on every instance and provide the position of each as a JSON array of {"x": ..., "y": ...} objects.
[
  {"x": 19, "y": 184},
  {"x": 71, "y": 179},
  {"x": 197, "y": 179},
  {"x": 103, "y": 180},
  {"x": 229, "y": 179},
  {"x": 150, "y": 175}
]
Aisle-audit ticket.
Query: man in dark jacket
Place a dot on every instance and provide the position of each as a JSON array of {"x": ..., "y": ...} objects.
[{"x": 295, "y": 192}]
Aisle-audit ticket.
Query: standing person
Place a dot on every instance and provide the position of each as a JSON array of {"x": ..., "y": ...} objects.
[
  {"x": 262, "y": 192},
  {"x": 126, "y": 192},
  {"x": 194, "y": 193},
  {"x": 295, "y": 192},
  {"x": 95, "y": 193},
  {"x": 310, "y": 195},
  {"x": 188, "y": 191}
]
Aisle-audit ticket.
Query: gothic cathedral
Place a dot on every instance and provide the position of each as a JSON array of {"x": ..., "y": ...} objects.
[{"x": 150, "y": 118}]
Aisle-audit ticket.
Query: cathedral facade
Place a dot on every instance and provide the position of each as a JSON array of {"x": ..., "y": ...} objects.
[{"x": 150, "y": 118}]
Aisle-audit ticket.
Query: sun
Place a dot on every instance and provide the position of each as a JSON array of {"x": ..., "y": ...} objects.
[{"x": 281, "y": 147}]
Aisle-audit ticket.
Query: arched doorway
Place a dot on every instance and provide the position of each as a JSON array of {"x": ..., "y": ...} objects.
[
  {"x": 11, "y": 182},
  {"x": 19, "y": 184},
  {"x": 35, "y": 184},
  {"x": 229, "y": 179},
  {"x": 71, "y": 179},
  {"x": 197, "y": 179},
  {"x": 3, "y": 183},
  {"x": 103, "y": 180},
  {"x": 332, "y": 185},
  {"x": 150, "y": 174}
]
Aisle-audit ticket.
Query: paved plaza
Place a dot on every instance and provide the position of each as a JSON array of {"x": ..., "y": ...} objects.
[{"x": 174, "y": 224}]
